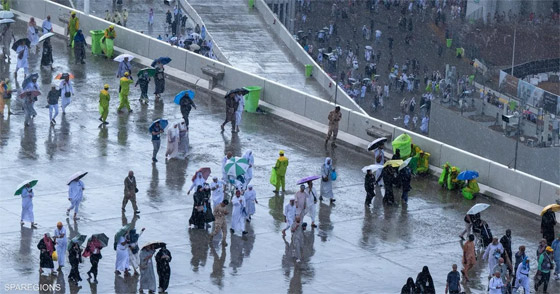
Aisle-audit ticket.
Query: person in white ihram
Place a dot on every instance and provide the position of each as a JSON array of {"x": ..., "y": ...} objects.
[
  {"x": 27, "y": 206},
  {"x": 75, "y": 195}
]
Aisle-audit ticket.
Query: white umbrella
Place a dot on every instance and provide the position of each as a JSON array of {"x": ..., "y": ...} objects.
[
  {"x": 76, "y": 176},
  {"x": 405, "y": 163},
  {"x": 194, "y": 47},
  {"x": 477, "y": 208},
  {"x": 121, "y": 57},
  {"x": 6, "y": 14},
  {"x": 376, "y": 143},
  {"x": 46, "y": 36},
  {"x": 373, "y": 168},
  {"x": 7, "y": 20},
  {"x": 369, "y": 48}
]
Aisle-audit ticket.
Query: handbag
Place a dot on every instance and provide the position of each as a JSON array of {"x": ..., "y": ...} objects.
[
  {"x": 273, "y": 179},
  {"x": 333, "y": 175},
  {"x": 67, "y": 94}
]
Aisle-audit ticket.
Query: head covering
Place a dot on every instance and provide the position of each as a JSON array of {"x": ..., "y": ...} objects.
[
  {"x": 106, "y": 86},
  {"x": 293, "y": 198},
  {"x": 327, "y": 160},
  {"x": 59, "y": 224},
  {"x": 281, "y": 152},
  {"x": 249, "y": 186},
  {"x": 126, "y": 73},
  {"x": 111, "y": 26},
  {"x": 248, "y": 154},
  {"x": 73, "y": 13}
]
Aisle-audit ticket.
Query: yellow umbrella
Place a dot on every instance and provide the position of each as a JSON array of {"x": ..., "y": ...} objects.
[
  {"x": 551, "y": 207},
  {"x": 393, "y": 163}
]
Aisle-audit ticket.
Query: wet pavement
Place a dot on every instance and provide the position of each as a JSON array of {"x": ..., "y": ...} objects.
[{"x": 355, "y": 249}]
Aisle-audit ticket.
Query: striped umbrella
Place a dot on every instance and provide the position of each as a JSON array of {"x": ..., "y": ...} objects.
[{"x": 236, "y": 166}]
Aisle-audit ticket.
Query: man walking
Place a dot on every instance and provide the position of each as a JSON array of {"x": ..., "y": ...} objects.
[
  {"x": 334, "y": 118},
  {"x": 187, "y": 104},
  {"x": 104, "y": 99},
  {"x": 453, "y": 285},
  {"x": 369, "y": 186},
  {"x": 220, "y": 212},
  {"x": 281, "y": 167},
  {"x": 289, "y": 214},
  {"x": 125, "y": 89},
  {"x": 60, "y": 238},
  {"x": 130, "y": 190},
  {"x": 156, "y": 140},
  {"x": 75, "y": 195},
  {"x": 52, "y": 99},
  {"x": 231, "y": 107}
]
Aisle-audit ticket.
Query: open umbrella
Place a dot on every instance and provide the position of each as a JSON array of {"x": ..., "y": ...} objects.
[
  {"x": 151, "y": 72},
  {"x": 241, "y": 91},
  {"x": 467, "y": 175},
  {"x": 32, "y": 93},
  {"x": 7, "y": 20},
  {"x": 551, "y": 207},
  {"x": 307, "y": 179},
  {"x": 393, "y": 163},
  {"x": 62, "y": 76},
  {"x": 405, "y": 163},
  {"x": 374, "y": 168},
  {"x": 76, "y": 176},
  {"x": 478, "y": 208},
  {"x": 376, "y": 143},
  {"x": 80, "y": 239},
  {"x": 182, "y": 94},
  {"x": 46, "y": 36},
  {"x": 23, "y": 41},
  {"x": 236, "y": 166},
  {"x": 157, "y": 244},
  {"x": 121, "y": 57},
  {"x": 6, "y": 14},
  {"x": 20, "y": 187},
  {"x": 162, "y": 123},
  {"x": 162, "y": 60},
  {"x": 29, "y": 79},
  {"x": 121, "y": 232},
  {"x": 205, "y": 173},
  {"x": 103, "y": 239},
  {"x": 369, "y": 48}
]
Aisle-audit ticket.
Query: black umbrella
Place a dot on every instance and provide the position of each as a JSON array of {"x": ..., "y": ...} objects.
[
  {"x": 19, "y": 42},
  {"x": 242, "y": 91},
  {"x": 376, "y": 143}
]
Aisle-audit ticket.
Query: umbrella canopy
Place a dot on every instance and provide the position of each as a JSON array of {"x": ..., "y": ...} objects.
[
  {"x": 194, "y": 47},
  {"x": 6, "y": 14},
  {"x": 162, "y": 123},
  {"x": 236, "y": 166},
  {"x": 102, "y": 238},
  {"x": 76, "y": 176},
  {"x": 478, "y": 208},
  {"x": 157, "y": 244},
  {"x": 121, "y": 57},
  {"x": 7, "y": 20},
  {"x": 23, "y": 41},
  {"x": 393, "y": 163},
  {"x": 151, "y": 72},
  {"x": 162, "y": 60},
  {"x": 20, "y": 187},
  {"x": 28, "y": 79},
  {"x": 62, "y": 76},
  {"x": 307, "y": 179},
  {"x": 182, "y": 94},
  {"x": 374, "y": 168},
  {"x": 121, "y": 232},
  {"x": 241, "y": 91},
  {"x": 551, "y": 207},
  {"x": 405, "y": 163},
  {"x": 46, "y": 36},
  {"x": 205, "y": 173},
  {"x": 376, "y": 143},
  {"x": 32, "y": 93},
  {"x": 80, "y": 239},
  {"x": 467, "y": 175},
  {"x": 369, "y": 48}
]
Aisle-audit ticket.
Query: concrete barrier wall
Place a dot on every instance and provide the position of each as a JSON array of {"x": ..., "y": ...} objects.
[
  {"x": 495, "y": 175},
  {"x": 301, "y": 56}
]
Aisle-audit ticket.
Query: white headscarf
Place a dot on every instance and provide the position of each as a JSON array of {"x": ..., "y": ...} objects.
[
  {"x": 198, "y": 180},
  {"x": 248, "y": 155},
  {"x": 327, "y": 164}
]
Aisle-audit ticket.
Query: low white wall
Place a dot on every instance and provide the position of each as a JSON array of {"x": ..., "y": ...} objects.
[{"x": 518, "y": 184}]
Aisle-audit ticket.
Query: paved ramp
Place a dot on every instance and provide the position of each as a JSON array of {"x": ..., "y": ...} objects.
[{"x": 249, "y": 45}]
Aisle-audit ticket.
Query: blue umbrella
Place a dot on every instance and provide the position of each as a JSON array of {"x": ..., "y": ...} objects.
[
  {"x": 162, "y": 123},
  {"x": 162, "y": 60},
  {"x": 182, "y": 94},
  {"x": 467, "y": 175}
]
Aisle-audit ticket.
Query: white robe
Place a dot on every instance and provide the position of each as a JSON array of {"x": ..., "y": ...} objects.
[
  {"x": 22, "y": 63},
  {"x": 251, "y": 159},
  {"x": 239, "y": 110},
  {"x": 311, "y": 210},
  {"x": 27, "y": 205},
  {"x": 65, "y": 88},
  {"x": 224, "y": 174},
  {"x": 76, "y": 194},
  {"x": 217, "y": 193},
  {"x": 32, "y": 35},
  {"x": 290, "y": 214},
  {"x": 522, "y": 277},
  {"x": 197, "y": 182},
  {"x": 122, "y": 262},
  {"x": 133, "y": 259},
  {"x": 250, "y": 198},
  {"x": 61, "y": 245},
  {"x": 301, "y": 203},
  {"x": 489, "y": 255},
  {"x": 237, "y": 215},
  {"x": 172, "y": 142},
  {"x": 147, "y": 275},
  {"x": 183, "y": 140},
  {"x": 326, "y": 187}
]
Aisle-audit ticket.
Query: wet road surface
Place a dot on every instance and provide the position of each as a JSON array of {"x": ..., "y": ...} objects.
[{"x": 355, "y": 249}]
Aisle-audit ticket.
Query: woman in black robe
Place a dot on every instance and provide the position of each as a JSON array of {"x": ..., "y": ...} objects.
[
  {"x": 75, "y": 258},
  {"x": 159, "y": 80},
  {"x": 46, "y": 56},
  {"x": 208, "y": 215},
  {"x": 409, "y": 287},
  {"x": 424, "y": 282},
  {"x": 197, "y": 216},
  {"x": 163, "y": 258},
  {"x": 46, "y": 245}
]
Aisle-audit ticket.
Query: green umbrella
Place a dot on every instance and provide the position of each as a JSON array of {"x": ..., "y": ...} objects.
[
  {"x": 20, "y": 187},
  {"x": 151, "y": 71},
  {"x": 236, "y": 166},
  {"x": 101, "y": 237},
  {"x": 80, "y": 239},
  {"x": 123, "y": 231}
]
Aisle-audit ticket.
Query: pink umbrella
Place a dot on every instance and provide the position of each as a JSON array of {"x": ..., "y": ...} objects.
[
  {"x": 308, "y": 179},
  {"x": 205, "y": 173},
  {"x": 32, "y": 93}
]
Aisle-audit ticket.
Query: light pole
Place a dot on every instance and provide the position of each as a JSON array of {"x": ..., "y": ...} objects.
[{"x": 519, "y": 116}]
